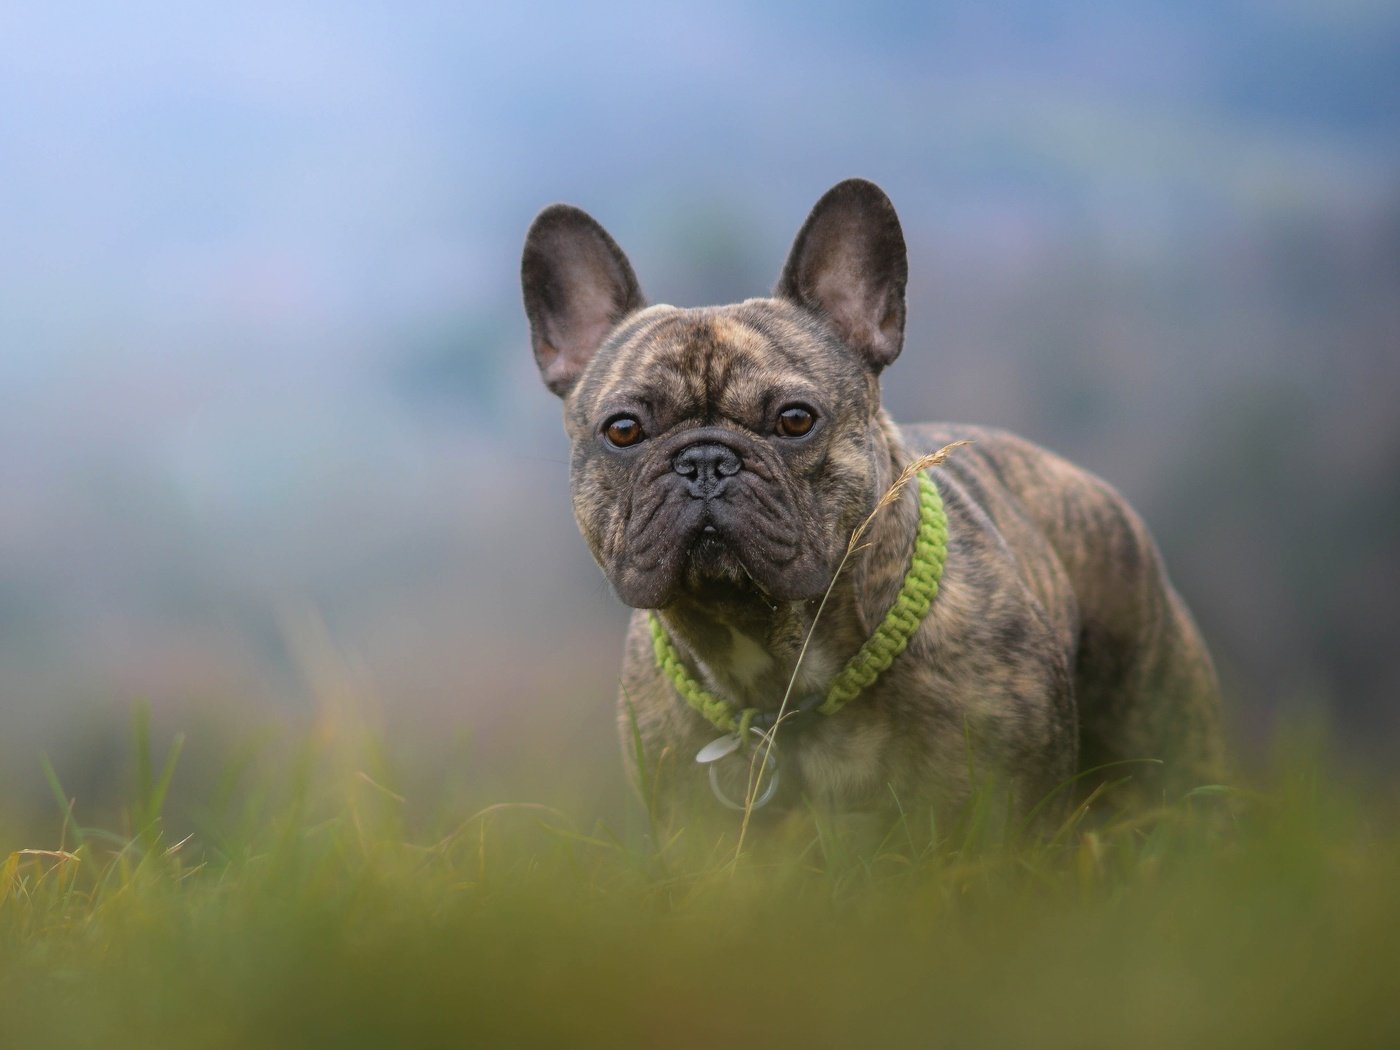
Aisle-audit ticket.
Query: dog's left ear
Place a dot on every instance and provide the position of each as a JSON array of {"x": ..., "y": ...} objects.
[{"x": 849, "y": 264}]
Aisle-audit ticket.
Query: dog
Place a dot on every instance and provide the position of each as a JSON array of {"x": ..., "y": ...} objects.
[{"x": 723, "y": 457}]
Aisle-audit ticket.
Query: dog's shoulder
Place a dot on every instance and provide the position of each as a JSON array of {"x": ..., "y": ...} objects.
[
  {"x": 1046, "y": 506},
  {"x": 1017, "y": 482},
  {"x": 998, "y": 482},
  {"x": 998, "y": 458}
]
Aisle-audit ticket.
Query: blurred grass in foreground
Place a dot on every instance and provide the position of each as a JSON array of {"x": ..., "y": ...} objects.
[{"x": 306, "y": 911}]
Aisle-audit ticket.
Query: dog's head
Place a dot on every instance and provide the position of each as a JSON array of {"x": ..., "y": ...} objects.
[{"x": 722, "y": 452}]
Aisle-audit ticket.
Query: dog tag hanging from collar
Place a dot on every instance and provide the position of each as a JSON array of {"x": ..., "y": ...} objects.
[
  {"x": 731, "y": 773},
  {"x": 718, "y": 748}
]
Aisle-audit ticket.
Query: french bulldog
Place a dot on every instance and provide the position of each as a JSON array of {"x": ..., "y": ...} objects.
[{"x": 722, "y": 458}]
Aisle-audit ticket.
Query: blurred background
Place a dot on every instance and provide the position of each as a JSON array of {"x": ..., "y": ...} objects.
[{"x": 271, "y": 439}]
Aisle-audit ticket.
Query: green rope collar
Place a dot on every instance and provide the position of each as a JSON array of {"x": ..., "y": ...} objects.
[{"x": 889, "y": 640}]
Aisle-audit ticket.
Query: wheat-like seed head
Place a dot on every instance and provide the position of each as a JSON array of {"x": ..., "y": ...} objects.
[{"x": 908, "y": 474}]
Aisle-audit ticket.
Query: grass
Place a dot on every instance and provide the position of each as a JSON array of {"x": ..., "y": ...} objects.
[{"x": 308, "y": 908}]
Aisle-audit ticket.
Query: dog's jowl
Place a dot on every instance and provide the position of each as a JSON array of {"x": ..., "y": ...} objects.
[{"x": 1004, "y": 616}]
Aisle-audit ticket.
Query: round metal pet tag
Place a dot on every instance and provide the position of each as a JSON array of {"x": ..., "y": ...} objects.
[{"x": 730, "y": 771}]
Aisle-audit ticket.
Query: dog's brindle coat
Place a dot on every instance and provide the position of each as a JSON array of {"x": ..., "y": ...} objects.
[{"x": 1055, "y": 644}]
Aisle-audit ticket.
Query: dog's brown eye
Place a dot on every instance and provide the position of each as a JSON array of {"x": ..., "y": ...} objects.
[
  {"x": 795, "y": 421},
  {"x": 623, "y": 431}
]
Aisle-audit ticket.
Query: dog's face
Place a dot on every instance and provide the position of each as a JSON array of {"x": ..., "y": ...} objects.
[{"x": 721, "y": 453}]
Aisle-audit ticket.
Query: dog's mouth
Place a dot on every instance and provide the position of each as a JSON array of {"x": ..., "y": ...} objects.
[
  {"x": 720, "y": 557},
  {"x": 712, "y": 559}
]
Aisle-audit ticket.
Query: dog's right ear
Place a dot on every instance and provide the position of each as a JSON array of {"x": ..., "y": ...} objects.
[{"x": 578, "y": 285}]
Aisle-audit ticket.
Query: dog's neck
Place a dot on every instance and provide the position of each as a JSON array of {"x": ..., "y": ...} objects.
[{"x": 747, "y": 648}]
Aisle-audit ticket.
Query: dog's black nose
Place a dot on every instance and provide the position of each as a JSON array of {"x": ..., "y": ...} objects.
[{"x": 707, "y": 467}]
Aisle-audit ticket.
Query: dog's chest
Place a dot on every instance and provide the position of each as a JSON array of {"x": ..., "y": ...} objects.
[
  {"x": 748, "y": 663},
  {"x": 837, "y": 758},
  {"x": 841, "y": 760}
]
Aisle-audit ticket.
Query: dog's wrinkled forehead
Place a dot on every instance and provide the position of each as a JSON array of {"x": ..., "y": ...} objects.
[{"x": 719, "y": 362}]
